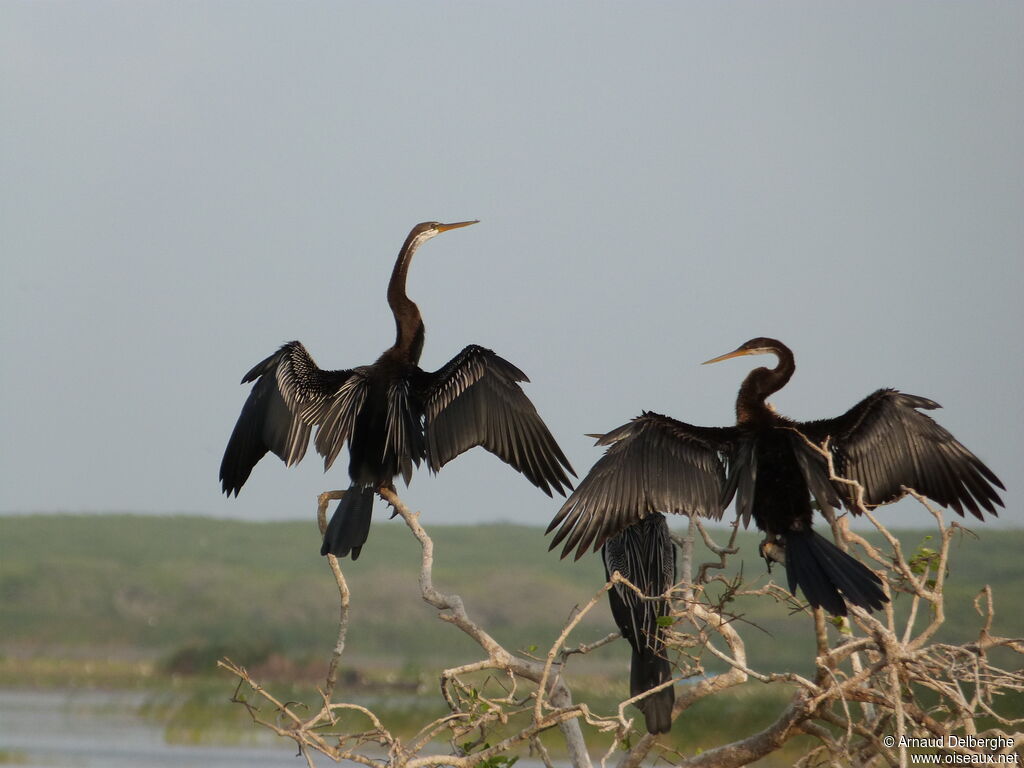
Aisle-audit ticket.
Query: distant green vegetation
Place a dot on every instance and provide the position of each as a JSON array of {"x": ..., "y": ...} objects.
[
  {"x": 162, "y": 586},
  {"x": 186, "y": 590}
]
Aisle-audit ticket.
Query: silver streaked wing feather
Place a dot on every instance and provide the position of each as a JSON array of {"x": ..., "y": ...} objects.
[
  {"x": 476, "y": 400},
  {"x": 287, "y": 385},
  {"x": 336, "y": 416},
  {"x": 403, "y": 430},
  {"x": 644, "y": 554}
]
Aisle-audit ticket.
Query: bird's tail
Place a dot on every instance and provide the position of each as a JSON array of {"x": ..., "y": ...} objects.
[
  {"x": 647, "y": 670},
  {"x": 350, "y": 524},
  {"x": 826, "y": 574}
]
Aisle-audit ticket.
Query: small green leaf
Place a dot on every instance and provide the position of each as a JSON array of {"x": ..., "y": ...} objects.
[
  {"x": 840, "y": 623},
  {"x": 923, "y": 559},
  {"x": 665, "y": 621},
  {"x": 498, "y": 761}
]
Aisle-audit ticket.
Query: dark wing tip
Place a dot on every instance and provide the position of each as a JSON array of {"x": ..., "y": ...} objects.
[{"x": 230, "y": 486}]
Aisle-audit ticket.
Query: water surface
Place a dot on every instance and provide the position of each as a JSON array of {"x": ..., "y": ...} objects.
[{"x": 101, "y": 729}]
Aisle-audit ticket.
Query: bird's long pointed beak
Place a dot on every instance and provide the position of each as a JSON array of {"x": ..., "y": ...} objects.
[
  {"x": 456, "y": 225},
  {"x": 735, "y": 353}
]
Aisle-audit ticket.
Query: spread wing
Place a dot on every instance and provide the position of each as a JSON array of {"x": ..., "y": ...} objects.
[
  {"x": 290, "y": 394},
  {"x": 653, "y": 464},
  {"x": 884, "y": 442},
  {"x": 476, "y": 400},
  {"x": 643, "y": 554}
]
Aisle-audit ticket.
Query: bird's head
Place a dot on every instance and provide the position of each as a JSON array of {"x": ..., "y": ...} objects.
[
  {"x": 759, "y": 346},
  {"x": 428, "y": 229},
  {"x": 760, "y": 382}
]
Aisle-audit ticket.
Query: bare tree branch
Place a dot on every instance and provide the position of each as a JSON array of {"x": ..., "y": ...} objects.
[{"x": 880, "y": 681}]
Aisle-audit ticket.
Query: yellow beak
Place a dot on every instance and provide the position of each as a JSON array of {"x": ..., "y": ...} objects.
[
  {"x": 735, "y": 353},
  {"x": 446, "y": 227}
]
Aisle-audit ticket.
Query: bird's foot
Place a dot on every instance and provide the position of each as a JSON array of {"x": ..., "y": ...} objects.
[
  {"x": 390, "y": 487},
  {"x": 773, "y": 550}
]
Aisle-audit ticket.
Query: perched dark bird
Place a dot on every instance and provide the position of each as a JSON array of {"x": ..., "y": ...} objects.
[
  {"x": 392, "y": 414},
  {"x": 658, "y": 464},
  {"x": 645, "y": 556}
]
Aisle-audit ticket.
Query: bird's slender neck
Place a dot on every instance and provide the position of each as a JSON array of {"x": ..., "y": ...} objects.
[
  {"x": 408, "y": 321},
  {"x": 751, "y": 403}
]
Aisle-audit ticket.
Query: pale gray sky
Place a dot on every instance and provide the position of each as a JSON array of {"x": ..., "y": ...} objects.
[{"x": 186, "y": 185}]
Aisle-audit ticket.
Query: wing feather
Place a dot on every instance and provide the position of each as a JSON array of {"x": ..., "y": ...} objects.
[
  {"x": 287, "y": 392},
  {"x": 653, "y": 464},
  {"x": 403, "y": 432},
  {"x": 886, "y": 443},
  {"x": 476, "y": 400},
  {"x": 335, "y": 416}
]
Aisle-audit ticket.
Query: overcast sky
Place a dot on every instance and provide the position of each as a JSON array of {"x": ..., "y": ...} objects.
[{"x": 186, "y": 185}]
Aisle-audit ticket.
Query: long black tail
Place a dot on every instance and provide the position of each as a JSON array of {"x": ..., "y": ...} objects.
[
  {"x": 350, "y": 524},
  {"x": 644, "y": 554},
  {"x": 648, "y": 669},
  {"x": 826, "y": 574}
]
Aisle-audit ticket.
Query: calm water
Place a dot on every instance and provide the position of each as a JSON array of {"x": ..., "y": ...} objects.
[
  {"x": 78, "y": 729},
  {"x": 97, "y": 729}
]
